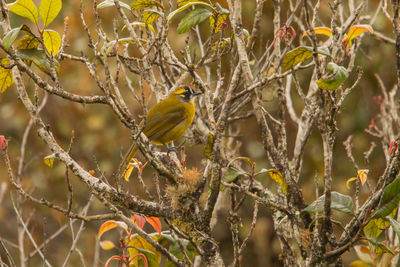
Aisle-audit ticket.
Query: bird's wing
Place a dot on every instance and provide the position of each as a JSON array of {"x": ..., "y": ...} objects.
[{"x": 160, "y": 123}]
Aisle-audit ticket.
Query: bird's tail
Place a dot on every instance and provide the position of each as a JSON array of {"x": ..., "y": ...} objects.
[{"x": 127, "y": 159}]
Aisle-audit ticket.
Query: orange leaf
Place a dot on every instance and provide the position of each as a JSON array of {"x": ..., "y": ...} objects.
[
  {"x": 139, "y": 220},
  {"x": 106, "y": 244},
  {"x": 320, "y": 30},
  {"x": 362, "y": 175},
  {"x": 357, "y": 30},
  {"x": 108, "y": 225},
  {"x": 155, "y": 222}
]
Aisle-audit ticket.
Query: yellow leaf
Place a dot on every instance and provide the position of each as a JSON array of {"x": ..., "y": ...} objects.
[
  {"x": 149, "y": 16},
  {"x": 28, "y": 42},
  {"x": 139, "y": 242},
  {"x": 49, "y": 10},
  {"x": 277, "y": 177},
  {"x": 49, "y": 160},
  {"x": 52, "y": 41},
  {"x": 220, "y": 21},
  {"x": 359, "y": 263},
  {"x": 107, "y": 245},
  {"x": 111, "y": 224},
  {"x": 357, "y": 30},
  {"x": 319, "y": 30},
  {"x": 142, "y": 4},
  {"x": 362, "y": 175},
  {"x": 346, "y": 40},
  {"x": 6, "y": 78},
  {"x": 221, "y": 44},
  {"x": 376, "y": 226},
  {"x": 350, "y": 180},
  {"x": 129, "y": 169},
  {"x": 136, "y": 23},
  {"x": 209, "y": 147},
  {"x": 26, "y": 9},
  {"x": 245, "y": 159}
]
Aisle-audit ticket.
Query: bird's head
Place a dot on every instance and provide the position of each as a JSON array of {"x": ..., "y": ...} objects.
[{"x": 185, "y": 93}]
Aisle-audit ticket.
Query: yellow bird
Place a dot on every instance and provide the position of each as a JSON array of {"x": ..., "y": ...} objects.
[{"x": 167, "y": 121}]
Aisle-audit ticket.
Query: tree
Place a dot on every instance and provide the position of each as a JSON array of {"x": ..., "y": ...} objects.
[{"x": 290, "y": 83}]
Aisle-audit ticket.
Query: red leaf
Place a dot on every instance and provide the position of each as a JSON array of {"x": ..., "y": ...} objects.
[
  {"x": 2, "y": 141},
  {"x": 155, "y": 222},
  {"x": 139, "y": 220}
]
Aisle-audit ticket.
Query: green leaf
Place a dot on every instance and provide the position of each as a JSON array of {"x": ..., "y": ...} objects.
[
  {"x": 175, "y": 250},
  {"x": 28, "y": 42},
  {"x": 150, "y": 256},
  {"x": 300, "y": 54},
  {"x": 49, "y": 10},
  {"x": 6, "y": 78},
  {"x": 108, "y": 3},
  {"x": 232, "y": 174},
  {"x": 339, "y": 75},
  {"x": 376, "y": 226},
  {"x": 395, "y": 225},
  {"x": 52, "y": 41},
  {"x": 209, "y": 147},
  {"x": 49, "y": 160},
  {"x": 176, "y": 11},
  {"x": 380, "y": 248},
  {"x": 151, "y": 15},
  {"x": 389, "y": 200},
  {"x": 10, "y": 37},
  {"x": 142, "y": 4},
  {"x": 193, "y": 18},
  {"x": 339, "y": 202},
  {"x": 26, "y": 9},
  {"x": 39, "y": 58},
  {"x": 296, "y": 56}
]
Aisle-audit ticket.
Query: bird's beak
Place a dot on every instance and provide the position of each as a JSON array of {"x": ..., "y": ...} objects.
[{"x": 197, "y": 93}]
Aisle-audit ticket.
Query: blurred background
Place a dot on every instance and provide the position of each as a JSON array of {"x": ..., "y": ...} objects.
[{"x": 100, "y": 139}]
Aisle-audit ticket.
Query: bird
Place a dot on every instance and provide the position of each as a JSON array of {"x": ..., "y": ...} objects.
[{"x": 166, "y": 121}]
